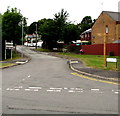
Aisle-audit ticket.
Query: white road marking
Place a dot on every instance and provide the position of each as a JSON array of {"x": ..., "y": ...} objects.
[
  {"x": 11, "y": 89},
  {"x": 116, "y": 92},
  {"x": 78, "y": 89},
  {"x": 35, "y": 90},
  {"x": 49, "y": 90},
  {"x": 18, "y": 87},
  {"x": 65, "y": 88},
  {"x": 59, "y": 89},
  {"x": 71, "y": 91},
  {"x": 35, "y": 87},
  {"x": 27, "y": 89},
  {"x": 8, "y": 89},
  {"x": 94, "y": 89},
  {"x": 55, "y": 88},
  {"x": 29, "y": 76}
]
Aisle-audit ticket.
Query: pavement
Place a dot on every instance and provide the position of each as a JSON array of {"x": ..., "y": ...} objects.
[
  {"x": 15, "y": 62},
  {"x": 77, "y": 66}
]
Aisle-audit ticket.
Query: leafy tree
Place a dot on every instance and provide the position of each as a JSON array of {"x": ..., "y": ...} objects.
[
  {"x": 60, "y": 22},
  {"x": 86, "y": 23},
  {"x": 10, "y": 26},
  {"x": 71, "y": 33},
  {"x": 47, "y": 28},
  {"x": 56, "y": 29},
  {"x": 32, "y": 28},
  {"x": 52, "y": 30}
]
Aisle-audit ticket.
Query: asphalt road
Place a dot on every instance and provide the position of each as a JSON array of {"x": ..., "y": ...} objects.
[{"x": 46, "y": 85}]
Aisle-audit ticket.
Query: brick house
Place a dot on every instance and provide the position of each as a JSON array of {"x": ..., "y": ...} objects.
[
  {"x": 86, "y": 35},
  {"x": 109, "y": 21}
]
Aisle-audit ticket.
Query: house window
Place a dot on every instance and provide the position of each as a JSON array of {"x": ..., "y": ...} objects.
[
  {"x": 88, "y": 34},
  {"x": 106, "y": 30}
]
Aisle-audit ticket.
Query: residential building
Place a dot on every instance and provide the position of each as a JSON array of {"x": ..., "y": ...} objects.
[
  {"x": 86, "y": 35},
  {"x": 108, "y": 22},
  {"x": 30, "y": 40}
]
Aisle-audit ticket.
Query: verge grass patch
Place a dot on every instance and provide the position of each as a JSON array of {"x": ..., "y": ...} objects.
[{"x": 95, "y": 61}]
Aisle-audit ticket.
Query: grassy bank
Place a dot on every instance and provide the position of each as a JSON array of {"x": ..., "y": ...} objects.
[
  {"x": 15, "y": 56},
  {"x": 95, "y": 61}
]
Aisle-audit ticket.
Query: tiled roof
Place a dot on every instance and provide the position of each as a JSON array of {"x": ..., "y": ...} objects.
[{"x": 114, "y": 15}]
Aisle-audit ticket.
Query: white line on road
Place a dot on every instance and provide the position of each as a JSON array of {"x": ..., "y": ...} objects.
[
  {"x": 29, "y": 76},
  {"x": 95, "y": 89},
  {"x": 27, "y": 89},
  {"x": 35, "y": 87},
  {"x": 65, "y": 88},
  {"x": 116, "y": 92},
  {"x": 55, "y": 88},
  {"x": 71, "y": 91},
  {"x": 35, "y": 90}
]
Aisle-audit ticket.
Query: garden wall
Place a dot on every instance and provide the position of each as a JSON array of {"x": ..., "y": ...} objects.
[{"x": 97, "y": 49}]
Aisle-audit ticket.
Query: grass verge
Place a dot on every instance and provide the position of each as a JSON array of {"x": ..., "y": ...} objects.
[
  {"x": 95, "y": 61},
  {"x": 15, "y": 56},
  {"x": 6, "y": 65}
]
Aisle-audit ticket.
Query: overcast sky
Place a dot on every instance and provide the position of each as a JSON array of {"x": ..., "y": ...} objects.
[{"x": 35, "y": 10}]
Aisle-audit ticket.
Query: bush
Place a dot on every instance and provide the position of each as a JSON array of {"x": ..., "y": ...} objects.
[
  {"x": 73, "y": 48},
  {"x": 111, "y": 53}
]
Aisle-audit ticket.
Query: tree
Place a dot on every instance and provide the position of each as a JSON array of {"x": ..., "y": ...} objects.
[
  {"x": 47, "y": 28},
  {"x": 10, "y": 28},
  {"x": 60, "y": 19},
  {"x": 32, "y": 28},
  {"x": 71, "y": 33},
  {"x": 52, "y": 30},
  {"x": 56, "y": 29},
  {"x": 86, "y": 23}
]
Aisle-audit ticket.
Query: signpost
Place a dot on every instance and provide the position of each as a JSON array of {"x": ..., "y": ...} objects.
[
  {"x": 111, "y": 60},
  {"x": 8, "y": 45}
]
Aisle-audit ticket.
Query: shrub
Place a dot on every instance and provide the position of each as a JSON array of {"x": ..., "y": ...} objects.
[
  {"x": 111, "y": 53},
  {"x": 73, "y": 48}
]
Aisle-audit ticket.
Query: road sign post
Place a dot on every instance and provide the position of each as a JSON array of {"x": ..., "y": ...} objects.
[
  {"x": 8, "y": 45},
  {"x": 111, "y": 60}
]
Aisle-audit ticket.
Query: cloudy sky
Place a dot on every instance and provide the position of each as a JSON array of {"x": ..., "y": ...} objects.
[{"x": 35, "y": 10}]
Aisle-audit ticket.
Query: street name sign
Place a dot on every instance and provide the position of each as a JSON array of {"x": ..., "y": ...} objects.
[{"x": 111, "y": 59}]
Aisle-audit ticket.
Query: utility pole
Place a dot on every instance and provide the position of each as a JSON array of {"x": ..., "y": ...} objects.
[
  {"x": 22, "y": 34},
  {"x": 104, "y": 49},
  {"x": 36, "y": 35},
  {"x": 21, "y": 23},
  {"x": 105, "y": 37}
]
